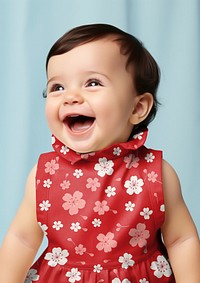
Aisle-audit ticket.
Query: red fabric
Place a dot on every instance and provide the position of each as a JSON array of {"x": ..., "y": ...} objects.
[{"x": 102, "y": 214}]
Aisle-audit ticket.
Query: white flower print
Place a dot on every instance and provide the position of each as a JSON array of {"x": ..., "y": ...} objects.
[
  {"x": 149, "y": 157},
  {"x": 138, "y": 136},
  {"x": 47, "y": 183},
  {"x": 104, "y": 167},
  {"x": 97, "y": 268},
  {"x": 144, "y": 280},
  {"x": 64, "y": 149},
  {"x": 129, "y": 206},
  {"x": 161, "y": 267},
  {"x": 134, "y": 185},
  {"x": 146, "y": 213},
  {"x": 58, "y": 256},
  {"x": 110, "y": 191},
  {"x": 75, "y": 226},
  {"x": 53, "y": 140},
  {"x": 96, "y": 222},
  {"x": 126, "y": 260},
  {"x": 74, "y": 275},
  {"x": 57, "y": 225},
  {"x": 117, "y": 280},
  {"x": 32, "y": 276},
  {"x": 116, "y": 151},
  {"x": 78, "y": 173},
  {"x": 162, "y": 208},
  {"x": 43, "y": 227},
  {"x": 44, "y": 205}
]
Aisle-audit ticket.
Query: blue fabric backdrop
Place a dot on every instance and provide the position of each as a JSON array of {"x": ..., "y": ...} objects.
[{"x": 168, "y": 28}]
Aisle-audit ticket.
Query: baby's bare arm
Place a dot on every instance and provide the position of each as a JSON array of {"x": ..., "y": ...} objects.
[
  {"x": 179, "y": 232},
  {"x": 22, "y": 240}
]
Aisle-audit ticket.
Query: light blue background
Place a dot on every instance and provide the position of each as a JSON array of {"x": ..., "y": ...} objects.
[{"x": 169, "y": 30}]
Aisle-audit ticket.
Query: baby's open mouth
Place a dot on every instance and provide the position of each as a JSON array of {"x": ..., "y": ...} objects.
[{"x": 79, "y": 123}]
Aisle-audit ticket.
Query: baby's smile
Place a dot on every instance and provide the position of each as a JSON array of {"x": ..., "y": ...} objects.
[{"x": 78, "y": 123}]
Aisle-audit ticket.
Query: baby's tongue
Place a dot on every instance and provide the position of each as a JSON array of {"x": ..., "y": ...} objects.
[{"x": 81, "y": 125}]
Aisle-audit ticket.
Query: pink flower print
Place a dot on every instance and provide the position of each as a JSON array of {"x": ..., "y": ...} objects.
[
  {"x": 152, "y": 177},
  {"x": 106, "y": 242},
  {"x": 131, "y": 161},
  {"x": 73, "y": 202},
  {"x": 65, "y": 185},
  {"x": 101, "y": 207},
  {"x": 161, "y": 267},
  {"x": 80, "y": 249},
  {"x": 51, "y": 166},
  {"x": 87, "y": 155},
  {"x": 104, "y": 167},
  {"x": 93, "y": 184},
  {"x": 139, "y": 235},
  {"x": 134, "y": 185}
]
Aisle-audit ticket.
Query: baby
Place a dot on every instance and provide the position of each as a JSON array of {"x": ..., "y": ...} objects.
[{"x": 111, "y": 208}]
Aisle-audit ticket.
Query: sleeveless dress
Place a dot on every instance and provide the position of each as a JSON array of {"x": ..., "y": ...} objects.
[{"x": 102, "y": 214}]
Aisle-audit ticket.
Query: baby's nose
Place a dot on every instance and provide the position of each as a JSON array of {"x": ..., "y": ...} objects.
[{"x": 73, "y": 98}]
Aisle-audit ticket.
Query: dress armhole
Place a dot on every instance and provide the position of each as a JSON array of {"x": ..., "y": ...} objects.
[
  {"x": 156, "y": 191},
  {"x": 42, "y": 194}
]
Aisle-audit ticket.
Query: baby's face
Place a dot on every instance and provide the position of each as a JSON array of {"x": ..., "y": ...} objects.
[{"x": 90, "y": 96}]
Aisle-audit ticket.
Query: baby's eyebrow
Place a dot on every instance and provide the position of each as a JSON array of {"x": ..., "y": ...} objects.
[
  {"x": 54, "y": 78},
  {"x": 93, "y": 72}
]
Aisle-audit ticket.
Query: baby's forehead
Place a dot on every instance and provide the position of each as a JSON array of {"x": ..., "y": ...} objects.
[{"x": 104, "y": 40}]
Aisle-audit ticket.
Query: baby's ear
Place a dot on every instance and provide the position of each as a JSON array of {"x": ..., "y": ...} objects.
[{"x": 142, "y": 107}]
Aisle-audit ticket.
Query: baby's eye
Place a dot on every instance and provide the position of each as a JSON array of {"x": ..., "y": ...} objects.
[
  {"x": 57, "y": 87},
  {"x": 54, "y": 89},
  {"x": 93, "y": 83}
]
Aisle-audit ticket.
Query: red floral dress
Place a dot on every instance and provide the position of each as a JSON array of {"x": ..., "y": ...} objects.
[{"x": 102, "y": 214}]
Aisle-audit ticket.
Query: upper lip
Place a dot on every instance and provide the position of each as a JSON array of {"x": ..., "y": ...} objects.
[{"x": 75, "y": 114}]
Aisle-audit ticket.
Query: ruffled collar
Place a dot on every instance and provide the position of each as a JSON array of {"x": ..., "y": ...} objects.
[{"x": 111, "y": 152}]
